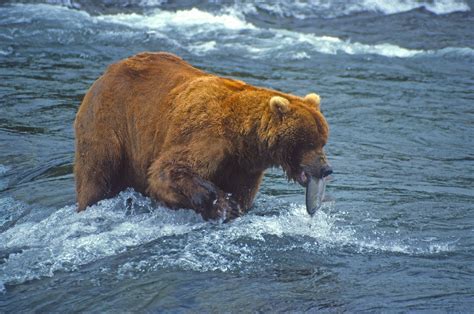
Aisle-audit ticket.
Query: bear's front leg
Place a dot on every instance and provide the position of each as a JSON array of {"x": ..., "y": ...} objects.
[{"x": 178, "y": 186}]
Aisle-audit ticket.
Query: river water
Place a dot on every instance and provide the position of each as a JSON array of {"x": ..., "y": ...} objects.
[{"x": 396, "y": 231}]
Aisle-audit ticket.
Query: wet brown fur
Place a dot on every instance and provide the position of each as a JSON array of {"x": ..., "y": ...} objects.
[{"x": 187, "y": 138}]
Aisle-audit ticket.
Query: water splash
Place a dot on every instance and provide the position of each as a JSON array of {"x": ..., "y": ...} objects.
[{"x": 65, "y": 240}]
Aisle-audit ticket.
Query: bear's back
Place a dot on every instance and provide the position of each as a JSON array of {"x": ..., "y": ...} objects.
[{"x": 147, "y": 64}]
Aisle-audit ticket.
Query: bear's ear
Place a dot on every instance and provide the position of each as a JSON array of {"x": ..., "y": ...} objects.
[
  {"x": 313, "y": 99},
  {"x": 279, "y": 104}
]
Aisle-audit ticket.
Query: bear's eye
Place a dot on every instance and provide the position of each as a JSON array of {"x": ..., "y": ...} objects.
[{"x": 311, "y": 145}]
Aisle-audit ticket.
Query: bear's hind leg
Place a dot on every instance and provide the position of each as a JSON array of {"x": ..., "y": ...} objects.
[{"x": 97, "y": 172}]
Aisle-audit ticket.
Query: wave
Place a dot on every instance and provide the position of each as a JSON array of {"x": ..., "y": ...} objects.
[
  {"x": 181, "y": 18},
  {"x": 397, "y": 6},
  {"x": 3, "y": 181},
  {"x": 332, "y": 9},
  {"x": 202, "y": 32},
  {"x": 284, "y": 8},
  {"x": 64, "y": 240},
  {"x": 220, "y": 34},
  {"x": 3, "y": 169}
]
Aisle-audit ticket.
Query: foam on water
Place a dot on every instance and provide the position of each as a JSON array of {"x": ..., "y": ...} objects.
[
  {"x": 3, "y": 180},
  {"x": 10, "y": 212},
  {"x": 331, "y": 9},
  {"x": 436, "y": 6},
  {"x": 181, "y": 19},
  {"x": 66, "y": 240},
  {"x": 3, "y": 169},
  {"x": 334, "y": 45},
  {"x": 203, "y": 33},
  {"x": 6, "y": 52},
  {"x": 312, "y": 8}
]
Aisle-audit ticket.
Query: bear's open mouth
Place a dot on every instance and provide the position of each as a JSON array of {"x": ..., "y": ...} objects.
[{"x": 302, "y": 178}]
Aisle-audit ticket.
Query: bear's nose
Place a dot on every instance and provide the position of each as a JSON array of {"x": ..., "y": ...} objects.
[{"x": 326, "y": 170}]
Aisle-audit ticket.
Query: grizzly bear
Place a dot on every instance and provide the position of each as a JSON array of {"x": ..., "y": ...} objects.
[{"x": 190, "y": 139}]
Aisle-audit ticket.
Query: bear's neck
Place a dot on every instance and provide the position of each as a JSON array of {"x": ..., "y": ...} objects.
[{"x": 249, "y": 124}]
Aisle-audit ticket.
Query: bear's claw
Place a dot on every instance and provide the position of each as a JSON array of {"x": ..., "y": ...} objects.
[
  {"x": 234, "y": 212},
  {"x": 226, "y": 209}
]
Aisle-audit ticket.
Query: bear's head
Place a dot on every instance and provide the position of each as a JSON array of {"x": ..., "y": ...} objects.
[{"x": 297, "y": 133}]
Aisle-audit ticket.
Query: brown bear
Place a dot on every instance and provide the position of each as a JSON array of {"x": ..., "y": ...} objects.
[{"x": 190, "y": 139}]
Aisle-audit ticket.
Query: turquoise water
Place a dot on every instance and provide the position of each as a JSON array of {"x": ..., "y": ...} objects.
[{"x": 396, "y": 229}]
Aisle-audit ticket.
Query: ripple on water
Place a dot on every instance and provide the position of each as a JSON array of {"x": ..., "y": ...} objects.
[{"x": 3, "y": 181}]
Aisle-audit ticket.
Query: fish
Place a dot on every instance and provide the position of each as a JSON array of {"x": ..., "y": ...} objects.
[{"x": 315, "y": 189}]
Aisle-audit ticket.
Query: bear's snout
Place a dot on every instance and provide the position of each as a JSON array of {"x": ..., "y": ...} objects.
[
  {"x": 325, "y": 171},
  {"x": 314, "y": 164}
]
